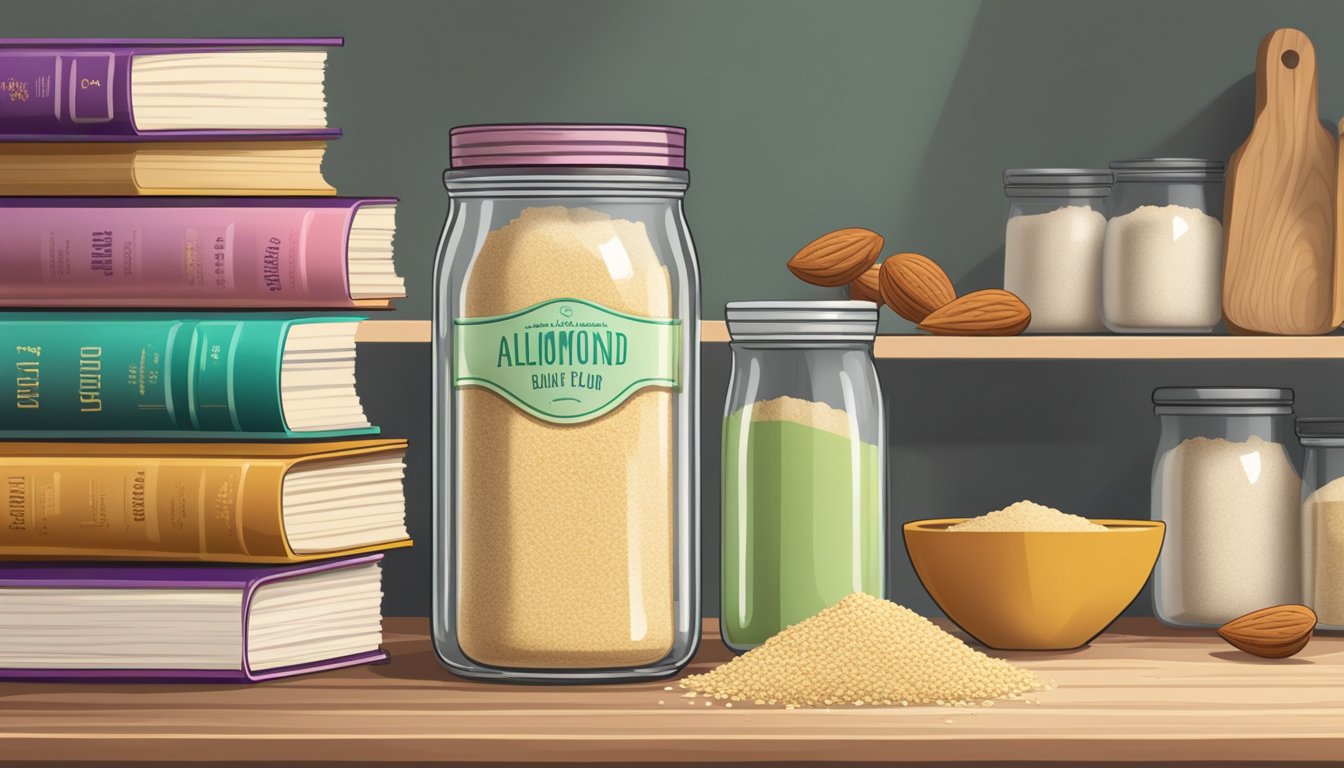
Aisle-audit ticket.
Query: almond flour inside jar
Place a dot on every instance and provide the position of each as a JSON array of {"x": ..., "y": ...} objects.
[{"x": 566, "y": 563}]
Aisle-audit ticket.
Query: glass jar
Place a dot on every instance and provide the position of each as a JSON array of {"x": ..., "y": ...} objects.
[
  {"x": 1052, "y": 245},
  {"x": 1162, "y": 261},
  {"x": 1225, "y": 482},
  {"x": 566, "y": 405},
  {"x": 1323, "y": 519},
  {"x": 803, "y": 465}
]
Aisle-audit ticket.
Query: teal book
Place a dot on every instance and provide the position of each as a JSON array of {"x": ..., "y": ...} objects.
[{"x": 160, "y": 376}]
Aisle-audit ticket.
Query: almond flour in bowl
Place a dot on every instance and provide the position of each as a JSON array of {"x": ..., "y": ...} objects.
[{"x": 1027, "y": 516}]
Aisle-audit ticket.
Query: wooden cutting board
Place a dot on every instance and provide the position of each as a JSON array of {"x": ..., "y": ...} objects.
[
  {"x": 1280, "y": 207},
  {"x": 1337, "y": 318}
]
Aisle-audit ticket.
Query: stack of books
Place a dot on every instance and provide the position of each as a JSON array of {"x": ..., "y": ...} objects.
[{"x": 189, "y": 486}]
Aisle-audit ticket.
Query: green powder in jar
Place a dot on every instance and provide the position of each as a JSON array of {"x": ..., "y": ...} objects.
[{"x": 802, "y": 516}]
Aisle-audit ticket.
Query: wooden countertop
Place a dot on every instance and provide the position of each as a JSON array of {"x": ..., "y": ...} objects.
[{"x": 1140, "y": 693}]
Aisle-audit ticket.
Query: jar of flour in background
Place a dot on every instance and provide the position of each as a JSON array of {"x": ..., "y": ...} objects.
[
  {"x": 1323, "y": 519},
  {"x": 1225, "y": 482},
  {"x": 804, "y": 465},
  {"x": 566, "y": 406},
  {"x": 1052, "y": 246},
  {"x": 1162, "y": 262}
]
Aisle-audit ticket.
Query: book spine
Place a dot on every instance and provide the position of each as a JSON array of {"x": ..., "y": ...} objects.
[
  {"x": 65, "y": 92},
  {"x": 100, "y": 373},
  {"x": 191, "y": 508},
  {"x": 220, "y": 256}
]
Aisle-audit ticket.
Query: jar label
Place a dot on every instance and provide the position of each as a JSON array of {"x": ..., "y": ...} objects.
[{"x": 566, "y": 360}]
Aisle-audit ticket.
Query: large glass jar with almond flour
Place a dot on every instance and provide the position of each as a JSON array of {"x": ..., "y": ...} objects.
[
  {"x": 1226, "y": 484},
  {"x": 566, "y": 405}
]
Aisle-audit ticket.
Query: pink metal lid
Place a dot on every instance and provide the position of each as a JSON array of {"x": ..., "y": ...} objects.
[{"x": 649, "y": 146}]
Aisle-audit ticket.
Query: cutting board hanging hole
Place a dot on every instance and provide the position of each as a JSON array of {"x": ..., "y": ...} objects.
[{"x": 1290, "y": 59}]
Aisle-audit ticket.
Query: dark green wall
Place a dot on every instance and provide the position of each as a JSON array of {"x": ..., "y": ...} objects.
[{"x": 803, "y": 116}]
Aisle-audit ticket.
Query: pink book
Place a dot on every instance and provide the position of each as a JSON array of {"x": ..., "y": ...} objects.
[{"x": 217, "y": 253}]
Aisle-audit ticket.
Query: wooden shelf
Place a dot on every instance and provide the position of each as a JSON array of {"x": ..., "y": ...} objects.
[
  {"x": 1101, "y": 347},
  {"x": 394, "y": 331},
  {"x": 1140, "y": 693},
  {"x": 1110, "y": 347},
  {"x": 924, "y": 347}
]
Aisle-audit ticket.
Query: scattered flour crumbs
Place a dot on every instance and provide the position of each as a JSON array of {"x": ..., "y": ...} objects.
[
  {"x": 863, "y": 651},
  {"x": 1027, "y": 516}
]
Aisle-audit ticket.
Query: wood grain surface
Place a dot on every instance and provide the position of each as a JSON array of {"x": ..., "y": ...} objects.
[
  {"x": 1337, "y": 317},
  {"x": 927, "y": 347},
  {"x": 1140, "y": 693},
  {"x": 1279, "y": 208}
]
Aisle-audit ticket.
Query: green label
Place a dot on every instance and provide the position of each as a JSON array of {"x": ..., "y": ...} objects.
[{"x": 566, "y": 360}]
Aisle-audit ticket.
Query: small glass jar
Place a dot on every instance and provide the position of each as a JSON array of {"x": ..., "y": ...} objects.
[
  {"x": 566, "y": 348},
  {"x": 804, "y": 458},
  {"x": 1052, "y": 245},
  {"x": 1162, "y": 261},
  {"x": 1226, "y": 484},
  {"x": 1323, "y": 519}
]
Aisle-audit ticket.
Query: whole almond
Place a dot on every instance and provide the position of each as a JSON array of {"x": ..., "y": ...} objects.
[
  {"x": 1271, "y": 633},
  {"x": 865, "y": 287},
  {"x": 991, "y": 312},
  {"x": 914, "y": 286},
  {"x": 838, "y": 257}
]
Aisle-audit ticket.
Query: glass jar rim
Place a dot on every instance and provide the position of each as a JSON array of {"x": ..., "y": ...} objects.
[
  {"x": 839, "y": 322},
  {"x": 1213, "y": 401},
  {"x": 1168, "y": 169},
  {"x": 1324, "y": 431},
  {"x": 1057, "y": 182},
  {"x": 566, "y": 181}
]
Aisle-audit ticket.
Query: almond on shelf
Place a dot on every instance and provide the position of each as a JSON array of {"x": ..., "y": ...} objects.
[
  {"x": 991, "y": 312},
  {"x": 914, "y": 286},
  {"x": 866, "y": 287},
  {"x": 837, "y": 258}
]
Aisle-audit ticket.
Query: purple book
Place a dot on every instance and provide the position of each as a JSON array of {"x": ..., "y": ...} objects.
[
  {"x": 229, "y": 624},
  {"x": 136, "y": 89}
]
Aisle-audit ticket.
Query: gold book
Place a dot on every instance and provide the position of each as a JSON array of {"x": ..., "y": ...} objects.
[
  {"x": 210, "y": 502},
  {"x": 230, "y": 168}
]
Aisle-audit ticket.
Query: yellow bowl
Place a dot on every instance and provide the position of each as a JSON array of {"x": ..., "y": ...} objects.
[{"x": 1037, "y": 590}]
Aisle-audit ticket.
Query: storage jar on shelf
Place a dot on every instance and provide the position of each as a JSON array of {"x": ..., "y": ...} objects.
[
  {"x": 1323, "y": 519},
  {"x": 1052, "y": 245},
  {"x": 804, "y": 461},
  {"x": 1162, "y": 261},
  {"x": 566, "y": 406},
  {"x": 1225, "y": 483}
]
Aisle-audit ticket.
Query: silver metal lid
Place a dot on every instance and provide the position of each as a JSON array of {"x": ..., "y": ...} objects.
[
  {"x": 1223, "y": 400},
  {"x": 1083, "y": 177},
  {"x": 1057, "y": 182},
  {"x": 1168, "y": 169},
  {"x": 1321, "y": 431},
  {"x": 818, "y": 321}
]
